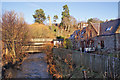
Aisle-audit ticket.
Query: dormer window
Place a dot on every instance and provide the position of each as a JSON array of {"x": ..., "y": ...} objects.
[
  {"x": 108, "y": 29},
  {"x": 81, "y": 36},
  {"x": 72, "y": 36},
  {"x": 90, "y": 33},
  {"x": 83, "y": 32}
]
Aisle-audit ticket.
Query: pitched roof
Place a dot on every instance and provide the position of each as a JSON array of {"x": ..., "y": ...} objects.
[
  {"x": 78, "y": 32},
  {"x": 109, "y": 27},
  {"x": 96, "y": 26},
  {"x": 82, "y": 32},
  {"x": 72, "y": 36}
]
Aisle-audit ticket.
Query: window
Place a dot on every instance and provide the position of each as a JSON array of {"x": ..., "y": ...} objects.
[
  {"x": 102, "y": 44},
  {"x": 90, "y": 33},
  {"x": 119, "y": 39},
  {"x": 81, "y": 36},
  {"x": 108, "y": 29},
  {"x": 83, "y": 32}
]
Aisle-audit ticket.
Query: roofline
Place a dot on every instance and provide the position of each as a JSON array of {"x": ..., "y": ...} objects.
[
  {"x": 94, "y": 27},
  {"x": 111, "y": 20}
]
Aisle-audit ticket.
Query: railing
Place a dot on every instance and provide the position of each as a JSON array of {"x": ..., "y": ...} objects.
[
  {"x": 41, "y": 39},
  {"x": 37, "y": 44}
]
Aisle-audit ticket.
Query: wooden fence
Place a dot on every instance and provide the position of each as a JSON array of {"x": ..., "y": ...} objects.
[{"x": 97, "y": 63}]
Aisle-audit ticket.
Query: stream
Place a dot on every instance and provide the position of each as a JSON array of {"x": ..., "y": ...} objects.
[{"x": 34, "y": 66}]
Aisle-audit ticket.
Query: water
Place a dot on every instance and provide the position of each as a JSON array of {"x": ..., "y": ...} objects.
[{"x": 32, "y": 67}]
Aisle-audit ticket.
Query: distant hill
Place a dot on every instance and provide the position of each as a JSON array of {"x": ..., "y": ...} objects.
[{"x": 41, "y": 30}]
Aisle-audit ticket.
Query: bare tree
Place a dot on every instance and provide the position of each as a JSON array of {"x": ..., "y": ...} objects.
[
  {"x": 69, "y": 22},
  {"x": 66, "y": 22},
  {"x": 73, "y": 21},
  {"x": 14, "y": 33},
  {"x": 94, "y": 20}
]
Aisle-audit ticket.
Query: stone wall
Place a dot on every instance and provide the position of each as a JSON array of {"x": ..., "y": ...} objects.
[
  {"x": 90, "y": 28},
  {"x": 117, "y": 41},
  {"x": 111, "y": 42}
]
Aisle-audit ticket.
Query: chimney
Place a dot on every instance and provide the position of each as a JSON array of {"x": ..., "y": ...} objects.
[
  {"x": 50, "y": 22},
  {"x": 106, "y": 20}
]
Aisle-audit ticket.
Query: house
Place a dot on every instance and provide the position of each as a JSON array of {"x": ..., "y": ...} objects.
[
  {"x": 98, "y": 35},
  {"x": 93, "y": 30},
  {"x": 74, "y": 39},
  {"x": 58, "y": 42},
  {"x": 81, "y": 38},
  {"x": 86, "y": 35},
  {"x": 109, "y": 37}
]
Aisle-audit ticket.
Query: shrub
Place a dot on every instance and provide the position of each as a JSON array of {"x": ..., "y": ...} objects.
[{"x": 67, "y": 44}]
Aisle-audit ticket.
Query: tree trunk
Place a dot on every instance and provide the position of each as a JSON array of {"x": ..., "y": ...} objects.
[{"x": 13, "y": 48}]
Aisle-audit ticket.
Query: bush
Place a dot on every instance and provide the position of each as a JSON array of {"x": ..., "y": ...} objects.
[
  {"x": 60, "y": 37},
  {"x": 67, "y": 44}
]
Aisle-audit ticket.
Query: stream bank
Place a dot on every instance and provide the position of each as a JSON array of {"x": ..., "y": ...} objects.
[{"x": 34, "y": 66}]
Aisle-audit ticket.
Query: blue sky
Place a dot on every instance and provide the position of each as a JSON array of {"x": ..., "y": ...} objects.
[{"x": 80, "y": 10}]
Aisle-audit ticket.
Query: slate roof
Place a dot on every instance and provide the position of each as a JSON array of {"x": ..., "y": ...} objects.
[
  {"x": 83, "y": 32},
  {"x": 109, "y": 27},
  {"x": 76, "y": 32},
  {"x": 72, "y": 36},
  {"x": 80, "y": 33},
  {"x": 58, "y": 39}
]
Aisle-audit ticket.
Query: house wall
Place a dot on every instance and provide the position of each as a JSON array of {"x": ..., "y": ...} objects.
[
  {"x": 58, "y": 43},
  {"x": 90, "y": 28},
  {"x": 87, "y": 36},
  {"x": 74, "y": 43},
  {"x": 117, "y": 41},
  {"x": 77, "y": 42},
  {"x": 118, "y": 30},
  {"x": 111, "y": 42}
]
